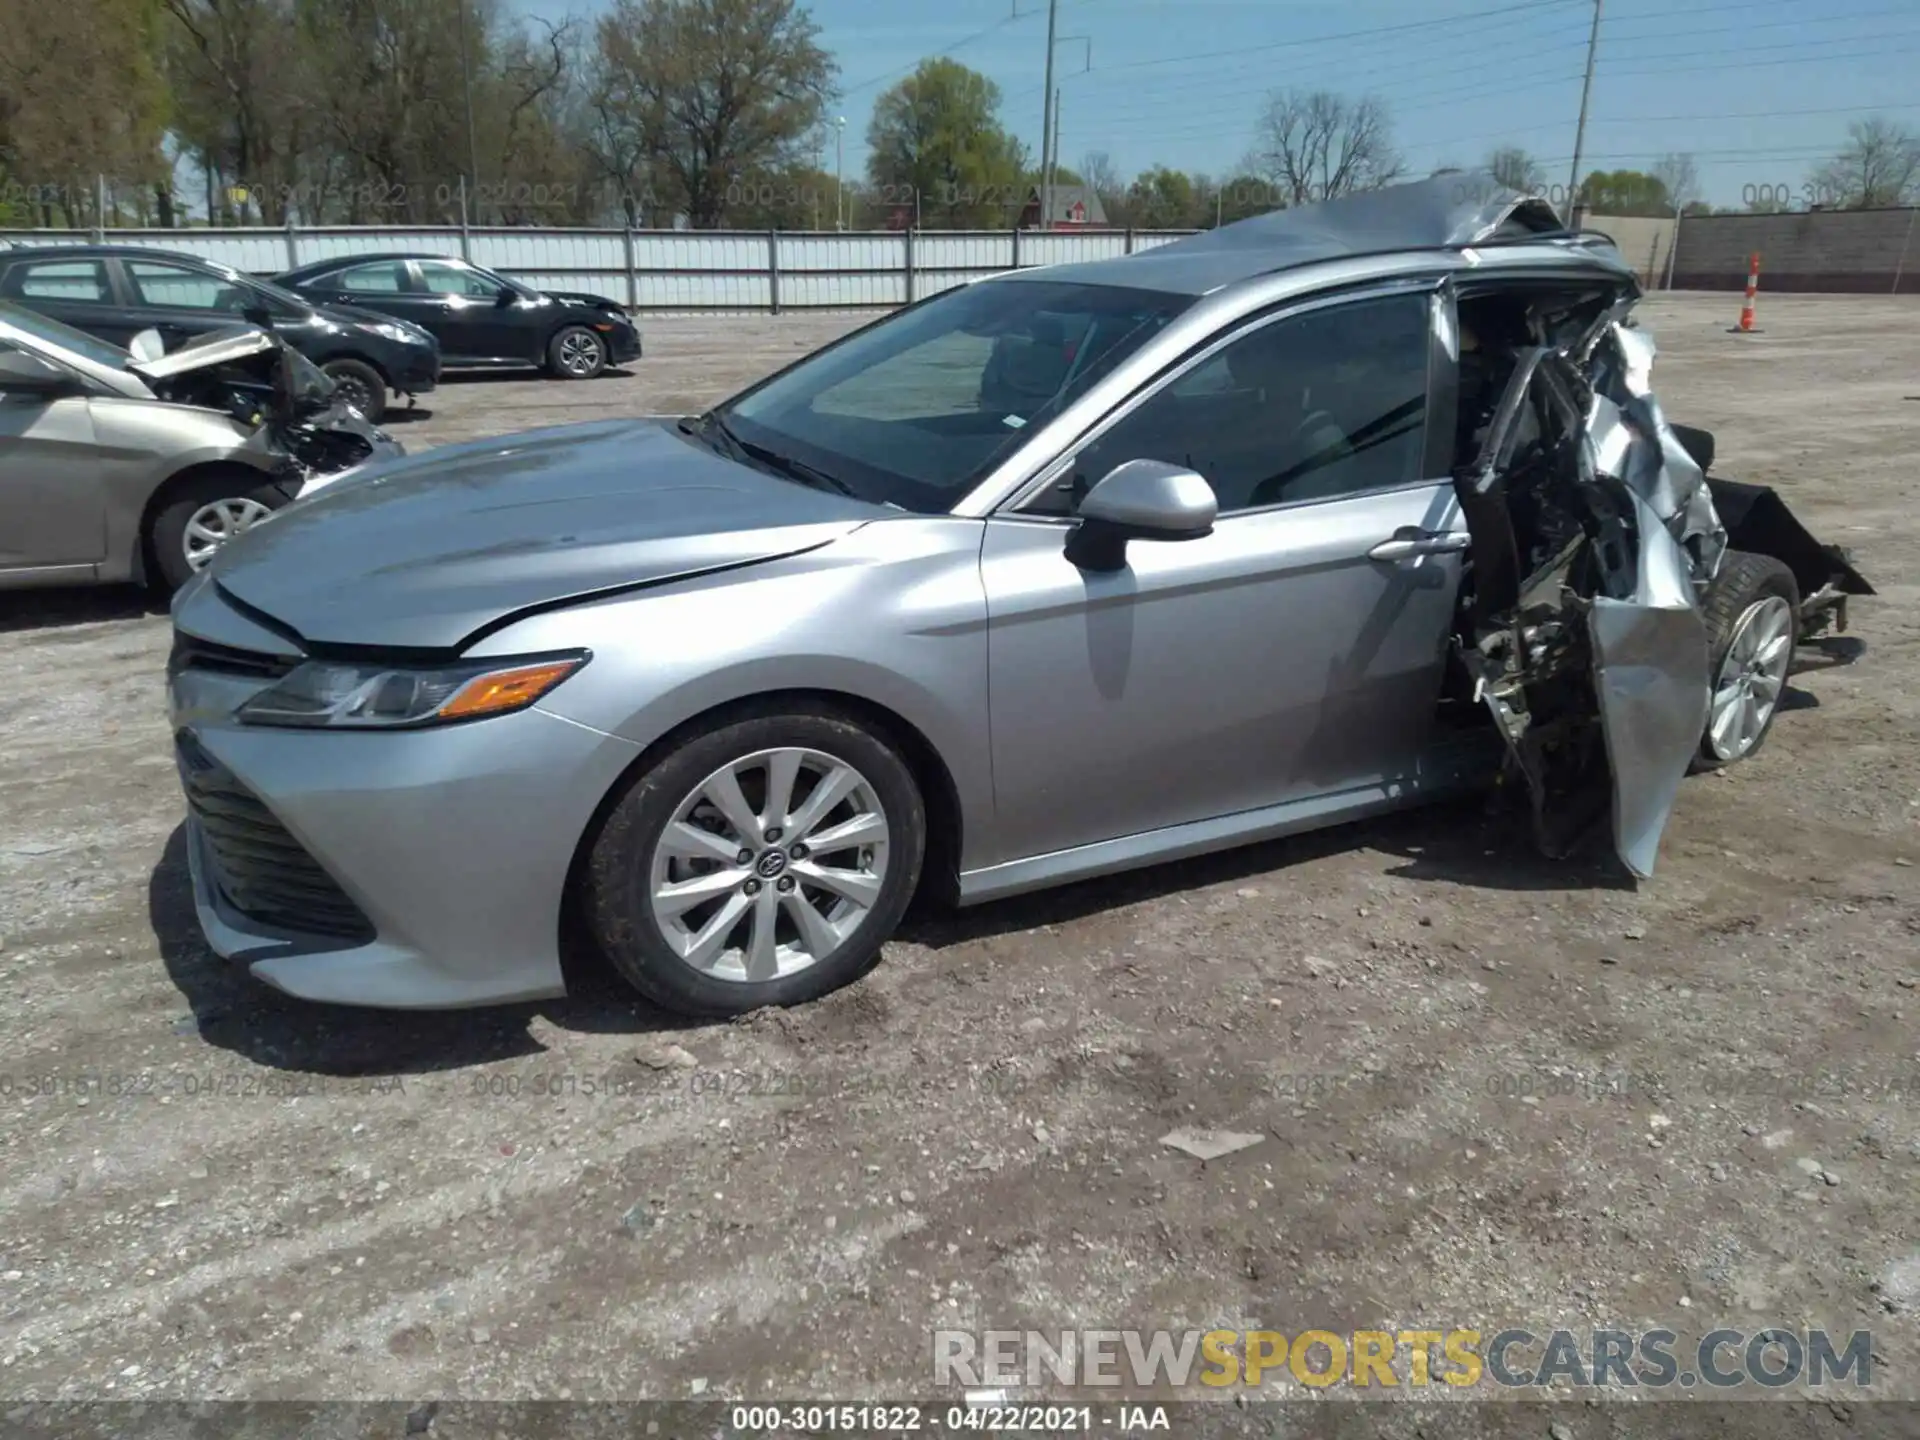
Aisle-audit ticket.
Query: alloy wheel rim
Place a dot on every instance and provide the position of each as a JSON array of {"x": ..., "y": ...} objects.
[
  {"x": 769, "y": 865},
  {"x": 1752, "y": 675},
  {"x": 579, "y": 353},
  {"x": 212, "y": 526},
  {"x": 354, "y": 392}
]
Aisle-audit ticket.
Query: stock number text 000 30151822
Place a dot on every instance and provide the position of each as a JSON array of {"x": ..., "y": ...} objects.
[{"x": 911, "y": 1419}]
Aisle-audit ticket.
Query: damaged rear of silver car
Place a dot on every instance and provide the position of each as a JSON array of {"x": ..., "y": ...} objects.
[{"x": 1598, "y": 545}]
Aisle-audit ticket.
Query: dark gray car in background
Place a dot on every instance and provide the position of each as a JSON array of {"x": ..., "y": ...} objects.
[
  {"x": 482, "y": 319},
  {"x": 113, "y": 292}
]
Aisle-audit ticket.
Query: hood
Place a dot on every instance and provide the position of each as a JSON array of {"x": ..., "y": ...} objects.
[
  {"x": 582, "y": 297},
  {"x": 354, "y": 315},
  {"x": 204, "y": 352},
  {"x": 251, "y": 359},
  {"x": 424, "y": 552}
]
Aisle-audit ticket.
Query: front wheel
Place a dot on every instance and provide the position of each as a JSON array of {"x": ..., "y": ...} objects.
[
  {"x": 762, "y": 863},
  {"x": 203, "y": 513},
  {"x": 1752, "y": 611},
  {"x": 360, "y": 385},
  {"x": 576, "y": 353}
]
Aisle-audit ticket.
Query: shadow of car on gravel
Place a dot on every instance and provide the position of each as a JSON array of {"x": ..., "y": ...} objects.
[
  {"x": 233, "y": 1011},
  {"x": 526, "y": 372},
  {"x": 1461, "y": 841},
  {"x": 74, "y": 605},
  {"x": 1472, "y": 842}
]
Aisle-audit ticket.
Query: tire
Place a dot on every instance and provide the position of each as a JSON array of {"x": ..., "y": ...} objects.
[
  {"x": 234, "y": 498},
  {"x": 361, "y": 386},
  {"x": 1753, "y": 604},
  {"x": 632, "y": 858},
  {"x": 576, "y": 353}
]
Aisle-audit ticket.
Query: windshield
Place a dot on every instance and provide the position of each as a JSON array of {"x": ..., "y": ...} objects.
[
  {"x": 52, "y": 332},
  {"x": 497, "y": 278},
  {"x": 913, "y": 410}
]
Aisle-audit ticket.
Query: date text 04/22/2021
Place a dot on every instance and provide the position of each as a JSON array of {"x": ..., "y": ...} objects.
[{"x": 980, "y": 1416}]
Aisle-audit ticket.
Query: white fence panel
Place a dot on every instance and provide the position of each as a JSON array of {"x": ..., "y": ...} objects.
[
  {"x": 985, "y": 252},
  {"x": 669, "y": 269},
  {"x": 342, "y": 240},
  {"x": 550, "y": 252}
]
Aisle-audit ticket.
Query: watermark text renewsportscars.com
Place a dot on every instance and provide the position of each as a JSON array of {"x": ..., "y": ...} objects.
[{"x": 1384, "y": 1361}]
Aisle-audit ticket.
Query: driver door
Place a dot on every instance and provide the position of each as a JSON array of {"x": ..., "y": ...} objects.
[
  {"x": 462, "y": 306},
  {"x": 1295, "y": 653},
  {"x": 51, "y": 493},
  {"x": 181, "y": 302}
]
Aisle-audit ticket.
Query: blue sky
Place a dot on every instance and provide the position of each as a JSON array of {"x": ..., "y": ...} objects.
[{"x": 1760, "y": 91}]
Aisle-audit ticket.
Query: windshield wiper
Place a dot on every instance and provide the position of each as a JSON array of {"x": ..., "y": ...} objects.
[
  {"x": 797, "y": 469},
  {"x": 712, "y": 427}
]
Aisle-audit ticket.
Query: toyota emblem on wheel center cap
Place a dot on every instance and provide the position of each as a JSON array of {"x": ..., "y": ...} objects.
[{"x": 771, "y": 864}]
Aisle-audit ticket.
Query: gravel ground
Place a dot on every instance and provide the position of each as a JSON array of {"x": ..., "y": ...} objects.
[{"x": 1491, "y": 1090}]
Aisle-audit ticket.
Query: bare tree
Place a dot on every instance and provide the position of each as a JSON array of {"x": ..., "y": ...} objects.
[
  {"x": 1316, "y": 145},
  {"x": 1102, "y": 176},
  {"x": 1677, "y": 172},
  {"x": 711, "y": 92},
  {"x": 1514, "y": 168},
  {"x": 1880, "y": 166}
]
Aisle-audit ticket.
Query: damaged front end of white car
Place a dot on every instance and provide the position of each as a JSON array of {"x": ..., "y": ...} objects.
[{"x": 1620, "y": 629}]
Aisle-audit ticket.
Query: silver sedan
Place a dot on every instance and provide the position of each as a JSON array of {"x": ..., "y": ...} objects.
[
  {"x": 122, "y": 467},
  {"x": 1055, "y": 574}
]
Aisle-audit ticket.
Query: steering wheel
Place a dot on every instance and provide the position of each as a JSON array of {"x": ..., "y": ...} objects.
[{"x": 1271, "y": 490}]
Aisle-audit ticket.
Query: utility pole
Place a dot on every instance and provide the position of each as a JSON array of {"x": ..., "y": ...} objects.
[
  {"x": 1580, "y": 131},
  {"x": 839, "y": 173},
  {"x": 1053, "y": 160},
  {"x": 1046, "y": 123},
  {"x": 466, "y": 85}
]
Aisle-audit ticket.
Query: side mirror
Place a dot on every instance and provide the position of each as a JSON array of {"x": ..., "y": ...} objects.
[
  {"x": 258, "y": 315},
  {"x": 20, "y": 370},
  {"x": 147, "y": 345},
  {"x": 1140, "y": 500},
  {"x": 504, "y": 297}
]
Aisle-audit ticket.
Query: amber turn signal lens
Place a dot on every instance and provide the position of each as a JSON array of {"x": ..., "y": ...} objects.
[{"x": 508, "y": 689}]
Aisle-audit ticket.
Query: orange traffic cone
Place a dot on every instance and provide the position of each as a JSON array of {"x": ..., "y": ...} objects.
[{"x": 1745, "y": 327}]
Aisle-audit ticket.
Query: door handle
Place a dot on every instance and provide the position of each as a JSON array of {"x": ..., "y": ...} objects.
[{"x": 1409, "y": 544}]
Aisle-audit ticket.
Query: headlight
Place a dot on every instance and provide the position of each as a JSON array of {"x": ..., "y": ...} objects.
[
  {"x": 344, "y": 695},
  {"x": 398, "y": 332}
]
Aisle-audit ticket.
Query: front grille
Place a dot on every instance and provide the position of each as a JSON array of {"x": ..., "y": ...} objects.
[
  {"x": 258, "y": 867},
  {"x": 192, "y": 653}
]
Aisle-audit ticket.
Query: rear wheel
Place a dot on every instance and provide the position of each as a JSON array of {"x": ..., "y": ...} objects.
[
  {"x": 360, "y": 385},
  {"x": 576, "y": 353},
  {"x": 762, "y": 863},
  {"x": 203, "y": 513},
  {"x": 1752, "y": 611}
]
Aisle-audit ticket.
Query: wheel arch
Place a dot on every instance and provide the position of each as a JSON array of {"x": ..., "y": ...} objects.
[
  {"x": 576, "y": 322},
  {"x": 140, "y": 557},
  {"x": 939, "y": 793},
  {"x": 370, "y": 361}
]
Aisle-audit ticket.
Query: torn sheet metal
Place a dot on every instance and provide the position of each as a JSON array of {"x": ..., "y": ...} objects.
[
  {"x": 1650, "y": 673},
  {"x": 1651, "y": 461}
]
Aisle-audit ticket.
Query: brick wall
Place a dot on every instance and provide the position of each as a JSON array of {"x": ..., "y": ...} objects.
[{"x": 1859, "y": 251}]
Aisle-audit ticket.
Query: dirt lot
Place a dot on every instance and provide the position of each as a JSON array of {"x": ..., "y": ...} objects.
[{"x": 1493, "y": 1090}]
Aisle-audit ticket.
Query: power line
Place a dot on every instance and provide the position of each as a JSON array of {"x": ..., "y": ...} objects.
[
  {"x": 1507, "y": 132},
  {"x": 1476, "y": 48},
  {"x": 1827, "y": 19},
  {"x": 997, "y": 25},
  {"x": 1533, "y": 5},
  {"x": 1209, "y": 120}
]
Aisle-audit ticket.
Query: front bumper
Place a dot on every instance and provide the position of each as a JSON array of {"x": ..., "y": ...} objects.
[
  {"x": 409, "y": 870},
  {"x": 416, "y": 373},
  {"x": 623, "y": 344}
]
